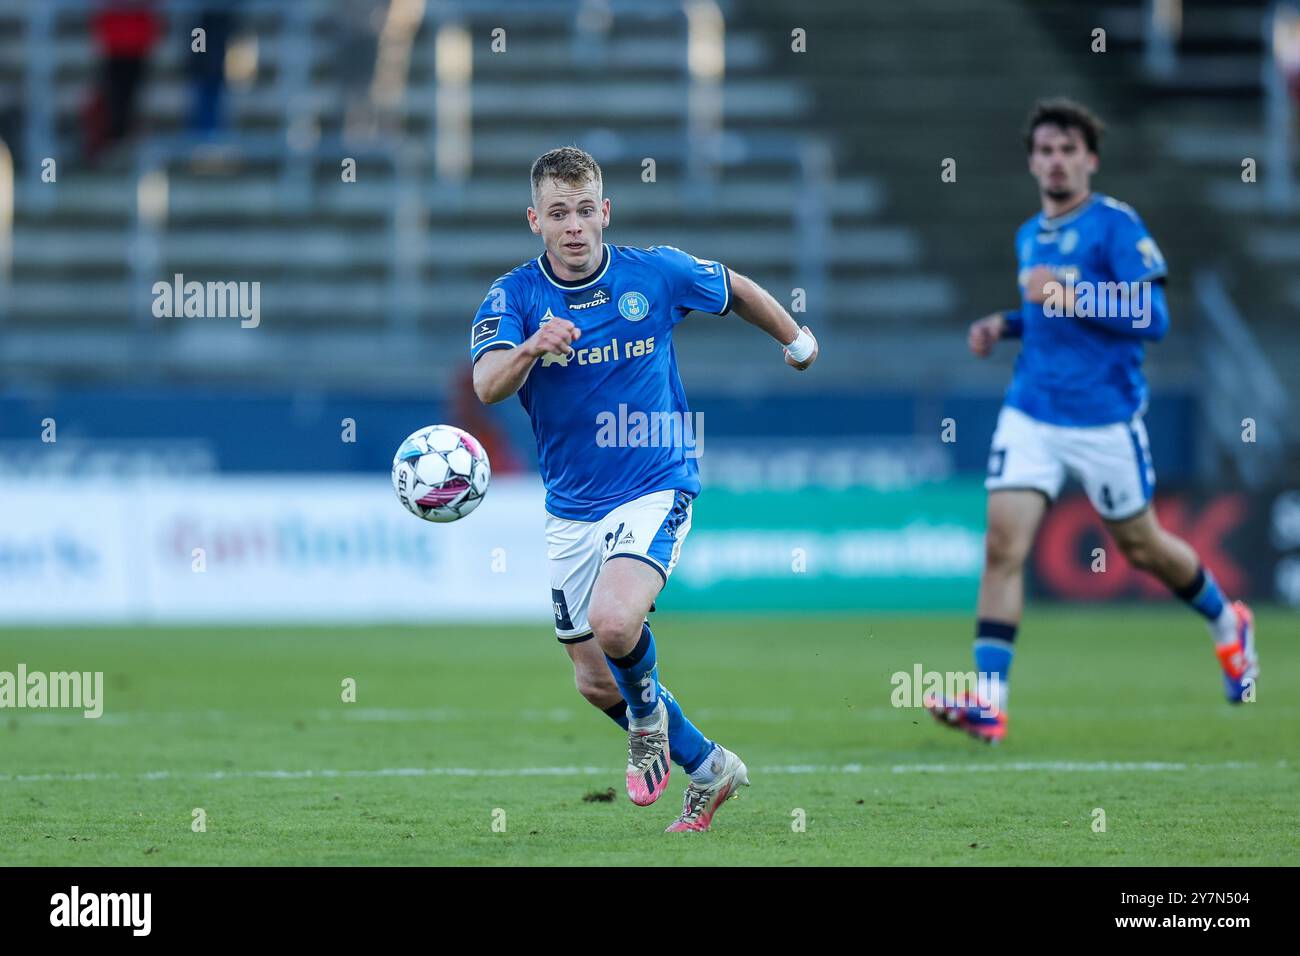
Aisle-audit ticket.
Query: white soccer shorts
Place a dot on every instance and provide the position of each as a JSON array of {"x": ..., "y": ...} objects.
[
  {"x": 650, "y": 529},
  {"x": 1113, "y": 462}
]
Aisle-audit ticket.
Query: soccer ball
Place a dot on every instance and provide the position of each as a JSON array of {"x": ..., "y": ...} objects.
[{"x": 441, "y": 473}]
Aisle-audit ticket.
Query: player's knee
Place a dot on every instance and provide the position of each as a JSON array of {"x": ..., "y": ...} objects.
[
  {"x": 1003, "y": 551},
  {"x": 613, "y": 624},
  {"x": 1140, "y": 552}
]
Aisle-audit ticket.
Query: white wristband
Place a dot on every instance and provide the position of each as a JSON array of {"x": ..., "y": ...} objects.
[{"x": 802, "y": 346}]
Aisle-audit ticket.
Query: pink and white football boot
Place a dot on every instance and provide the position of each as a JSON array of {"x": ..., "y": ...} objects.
[
  {"x": 701, "y": 802},
  {"x": 647, "y": 756}
]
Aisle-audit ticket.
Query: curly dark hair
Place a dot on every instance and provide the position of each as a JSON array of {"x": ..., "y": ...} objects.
[
  {"x": 1067, "y": 114},
  {"x": 568, "y": 164}
]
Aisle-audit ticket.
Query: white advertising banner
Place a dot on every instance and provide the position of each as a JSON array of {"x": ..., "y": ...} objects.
[
  {"x": 65, "y": 553},
  {"x": 310, "y": 548}
]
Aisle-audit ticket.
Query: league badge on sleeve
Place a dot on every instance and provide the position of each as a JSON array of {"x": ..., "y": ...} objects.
[{"x": 486, "y": 330}]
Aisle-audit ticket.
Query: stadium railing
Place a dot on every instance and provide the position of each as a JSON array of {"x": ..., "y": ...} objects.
[
  {"x": 1282, "y": 44},
  {"x": 1243, "y": 386},
  {"x": 810, "y": 217}
]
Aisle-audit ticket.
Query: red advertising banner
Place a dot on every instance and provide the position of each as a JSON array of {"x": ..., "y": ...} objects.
[{"x": 1250, "y": 541}]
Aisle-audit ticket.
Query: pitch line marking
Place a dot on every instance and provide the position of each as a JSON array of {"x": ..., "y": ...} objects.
[
  {"x": 1050, "y": 766},
  {"x": 349, "y": 714}
]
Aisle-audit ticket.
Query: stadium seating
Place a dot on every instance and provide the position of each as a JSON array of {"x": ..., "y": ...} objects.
[
  {"x": 385, "y": 270},
  {"x": 335, "y": 257}
]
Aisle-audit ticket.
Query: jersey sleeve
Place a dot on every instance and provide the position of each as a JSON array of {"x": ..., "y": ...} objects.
[
  {"x": 499, "y": 322},
  {"x": 697, "y": 284},
  {"x": 1132, "y": 253},
  {"x": 1014, "y": 319},
  {"x": 1014, "y": 324}
]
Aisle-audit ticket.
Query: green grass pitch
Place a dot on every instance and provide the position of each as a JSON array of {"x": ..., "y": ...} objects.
[{"x": 457, "y": 728}]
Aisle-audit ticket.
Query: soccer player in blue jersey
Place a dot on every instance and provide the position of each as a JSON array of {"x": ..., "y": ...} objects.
[
  {"x": 1092, "y": 289},
  {"x": 584, "y": 335}
]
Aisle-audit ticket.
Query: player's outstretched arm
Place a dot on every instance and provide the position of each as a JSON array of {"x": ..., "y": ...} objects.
[
  {"x": 985, "y": 333},
  {"x": 1141, "y": 316},
  {"x": 500, "y": 373},
  {"x": 756, "y": 306},
  {"x": 1142, "y": 310}
]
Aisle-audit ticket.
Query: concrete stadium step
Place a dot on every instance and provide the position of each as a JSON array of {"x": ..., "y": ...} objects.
[
  {"x": 1216, "y": 145},
  {"x": 1237, "y": 199},
  {"x": 247, "y": 250},
  {"x": 101, "y": 198},
  {"x": 327, "y": 300},
  {"x": 192, "y": 205},
  {"x": 72, "y": 54},
  {"x": 1277, "y": 246},
  {"x": 497, "y": 100}
]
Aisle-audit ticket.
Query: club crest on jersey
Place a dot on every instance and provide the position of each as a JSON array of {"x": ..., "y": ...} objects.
[
  {"x": 1069, "y": 239},
  {"x": 633, "y": 306}
]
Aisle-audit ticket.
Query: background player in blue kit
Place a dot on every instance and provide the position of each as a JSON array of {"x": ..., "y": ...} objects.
[
  {"x": 1092, "y": 284},
  {"x": 583, "y": 333}
]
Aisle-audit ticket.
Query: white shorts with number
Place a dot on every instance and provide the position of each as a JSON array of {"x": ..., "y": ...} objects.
[
  {"x": 1113, "y": 462},
  {"x": 650, "y": 529}
]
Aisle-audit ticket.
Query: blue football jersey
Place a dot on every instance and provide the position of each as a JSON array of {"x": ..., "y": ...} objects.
[
  {"x": 588, "y": 409},
  {"x": 1085, "y": 371}
]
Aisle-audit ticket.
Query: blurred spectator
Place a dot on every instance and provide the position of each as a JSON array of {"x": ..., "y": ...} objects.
[
  {"x": 358, "y": 26},
  {"x": 208, "y": 69},
  {"x": 125, "y": 32},
  {"x": 11, "y": 121}
]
